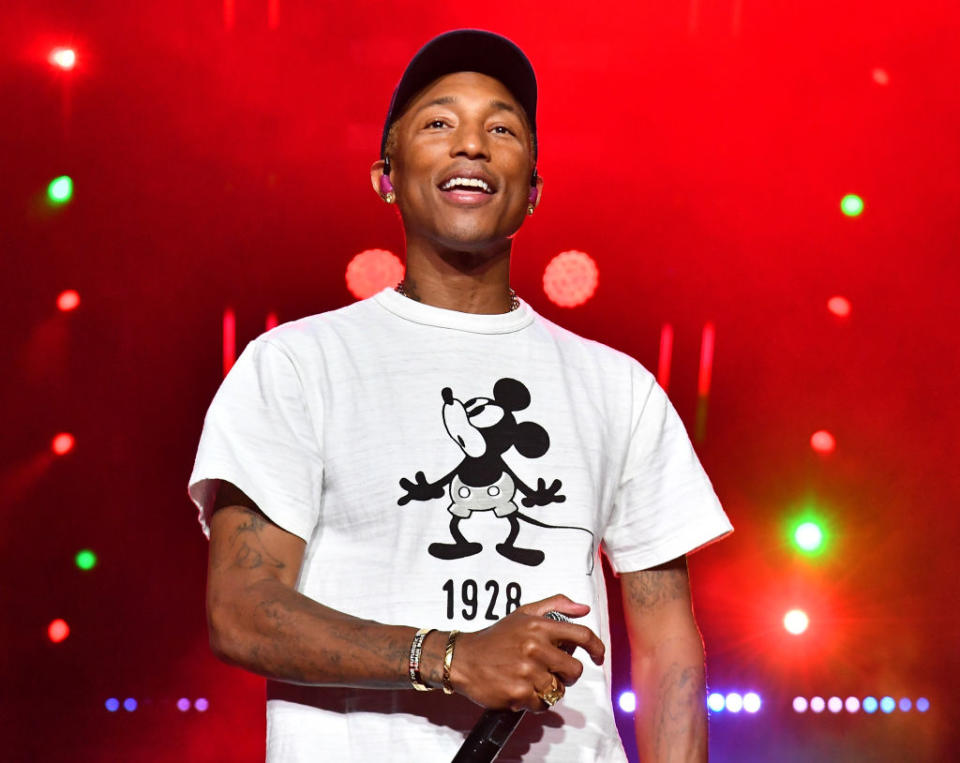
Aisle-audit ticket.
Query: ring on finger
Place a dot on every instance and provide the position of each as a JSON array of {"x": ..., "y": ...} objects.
[{"x": 552, "y": 694}]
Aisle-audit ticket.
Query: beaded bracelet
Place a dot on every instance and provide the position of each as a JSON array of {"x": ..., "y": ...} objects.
[
  {"x": 416, "y": 650},
  {"x": 448, "y": 661}
]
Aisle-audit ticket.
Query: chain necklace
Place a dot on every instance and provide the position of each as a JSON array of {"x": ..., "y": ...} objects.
[{"x": 514, "y": 299}]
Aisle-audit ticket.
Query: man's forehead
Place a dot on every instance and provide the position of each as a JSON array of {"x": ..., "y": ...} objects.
[{"x": 451, "y": 88}]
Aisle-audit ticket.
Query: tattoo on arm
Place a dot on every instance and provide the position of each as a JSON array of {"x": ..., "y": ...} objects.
[
  {"x": 682, "y": 713},
  {"x": 658, "y": 585},
  {"x": 251, "y": 553}
]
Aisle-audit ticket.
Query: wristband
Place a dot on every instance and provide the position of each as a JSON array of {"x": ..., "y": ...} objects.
[
  {"x": 448, "y": 661},
  {"x": 416, "y": 650}
]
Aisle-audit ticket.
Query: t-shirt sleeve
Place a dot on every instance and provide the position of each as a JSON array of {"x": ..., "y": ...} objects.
[
  {"x": 259, "y": 435},
  {"x": 665, "y": 506}
]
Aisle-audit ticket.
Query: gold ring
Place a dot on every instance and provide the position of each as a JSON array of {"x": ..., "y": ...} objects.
[{"x": 554, "y": 694}]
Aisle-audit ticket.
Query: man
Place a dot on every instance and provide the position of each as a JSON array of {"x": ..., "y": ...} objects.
[{"x": 441, "y": 457}]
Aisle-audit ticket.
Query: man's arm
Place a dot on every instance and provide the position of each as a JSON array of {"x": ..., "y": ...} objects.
[
  {"x": 667, "y": 664},
  {"x": 259, "y": 621}
]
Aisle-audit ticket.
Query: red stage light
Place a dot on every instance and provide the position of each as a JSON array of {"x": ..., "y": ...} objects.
[
  {"x": 839, "y": 306},
  {"x": 229, "y": 339},
  {"x": 666, "y": 355},
  {"x": 570, "y": 278},
  {"x": 796, "y": 621},
  {"x": 272, "y": 321},
  {"x": 823, "y": 442},
  {"x": 881, "y": 77},
  {"x": 68, "y": 300},
  {"x": 63, "y": 58},
  {"x": 58, "y": 630},
  {"x": 62, "y": 443},
  {"x": 371, "y": 271}
]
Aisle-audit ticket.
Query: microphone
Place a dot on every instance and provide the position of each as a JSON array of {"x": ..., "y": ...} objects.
[{"x": 494, "y": 728}]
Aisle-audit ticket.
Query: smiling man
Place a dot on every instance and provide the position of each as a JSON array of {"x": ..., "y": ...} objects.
[{"x": 399, "y": 491}]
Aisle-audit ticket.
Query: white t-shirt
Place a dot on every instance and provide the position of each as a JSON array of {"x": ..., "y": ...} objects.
[{"x": 327, "y": 422}]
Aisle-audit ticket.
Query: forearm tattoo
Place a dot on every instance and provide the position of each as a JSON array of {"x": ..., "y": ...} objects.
[{"x": 658, "y": 585}]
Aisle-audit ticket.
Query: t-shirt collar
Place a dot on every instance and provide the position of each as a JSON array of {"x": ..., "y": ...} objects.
[{"x": 418, "y": 312}]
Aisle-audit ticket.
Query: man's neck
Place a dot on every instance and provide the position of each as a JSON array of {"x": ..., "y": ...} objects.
[{"x": 466, "y": 281}]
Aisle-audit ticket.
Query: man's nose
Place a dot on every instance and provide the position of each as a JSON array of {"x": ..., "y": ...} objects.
[{"x": 471, "y": 141}]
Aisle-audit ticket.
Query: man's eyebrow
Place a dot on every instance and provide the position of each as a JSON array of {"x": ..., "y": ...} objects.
[{"x": 446, "y": 100}]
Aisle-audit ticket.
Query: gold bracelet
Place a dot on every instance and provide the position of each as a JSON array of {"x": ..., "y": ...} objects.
[
  {"x": 447, "y": 661},
  {"x": 416, "y": 650}
]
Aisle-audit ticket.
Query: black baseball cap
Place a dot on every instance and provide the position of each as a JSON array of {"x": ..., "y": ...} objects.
[{"x": 467, "y": 50}]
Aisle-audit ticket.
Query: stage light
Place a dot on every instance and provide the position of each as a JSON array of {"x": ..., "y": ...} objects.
[
  {"x": 112, "y": 705},
  {"x": 751, "y": 702},
  {"x": 734, "y": 702},
  {"x": 63, "y": 58},
  {"x": 839, "y": 306},
  {"x": 371, "y": 271},
  {"x": 129, "y": 704},
  {"x": 923, "y": 704},
  {"x": 796, "y": 621},
  {"x": 183, "y": 704},
  {"x": 58, "y": 630},
  {"x": 570, "y": 278},
  {"x": 628, "y": 701},
  {"x": 834, "y": 704},
  {"x": 808, "y": 536},
  {"x": 800, "y": 704},
  {"x": 905, "y": 705},
  {"x": 62, "y": 443},
  {"x": 823, "y": 442},
  {"x": 881, "y": 77},
  {"x": 852, "y": 704},
  {"x": 201, "y": 705},
  {"x": 852, "y": 205},
  {"x": 716, "y": 702},
  {"x": 86, "y": 559},
  {"x": 870, "y": 704},
  {"x": 68, "y": 300},
  {"x": 60, "y": 190},
  {"x": 817, "y": 704},
  {"x": 887, "y": 704}
]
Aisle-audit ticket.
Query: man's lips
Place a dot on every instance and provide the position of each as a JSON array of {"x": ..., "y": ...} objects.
[{"x": 464, "y": 198}]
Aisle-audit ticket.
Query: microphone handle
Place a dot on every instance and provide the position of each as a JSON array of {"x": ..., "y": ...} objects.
[{"x": 495, "y": 726}]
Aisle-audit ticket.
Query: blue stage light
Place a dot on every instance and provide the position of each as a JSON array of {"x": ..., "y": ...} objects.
[
  {"x": 628, "y": 701},
  {"x": 201, "y": 704},
  {"x": 183, "y": 704},
  {"x": 112, "y": 704},
  {"x": 751, "y": 702},
  {"x": 923, "y": 704},
  {"x": 129, "y": 704},
  {"x": 734, "y": 702},
  {"x": 716, "y": 702},
  {"x": 887, "y": 704},
  {"x": 870, "y": 704},
  {"x": 905, "y": 705}
]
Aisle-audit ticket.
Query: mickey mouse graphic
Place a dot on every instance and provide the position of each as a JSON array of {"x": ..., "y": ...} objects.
[{"x": 484, "y": 429}]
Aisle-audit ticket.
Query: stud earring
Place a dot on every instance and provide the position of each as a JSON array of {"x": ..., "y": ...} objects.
[
  {"x": 530, "y": 209},
  {"x": 390, "y": 197},
  {"x": 386, "y": 190}
]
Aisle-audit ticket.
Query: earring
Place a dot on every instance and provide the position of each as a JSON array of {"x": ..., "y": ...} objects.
[
  {"x": 390, "y": 197},
  {"x": 530, "y": 209},
  {"x": 386, "y": 190}
]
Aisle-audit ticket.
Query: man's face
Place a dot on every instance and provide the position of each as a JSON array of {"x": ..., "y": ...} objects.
[{"x": 462, "y": 163}]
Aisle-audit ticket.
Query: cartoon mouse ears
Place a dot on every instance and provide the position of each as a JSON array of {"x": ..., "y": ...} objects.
[{"x": 511, "y": 394}]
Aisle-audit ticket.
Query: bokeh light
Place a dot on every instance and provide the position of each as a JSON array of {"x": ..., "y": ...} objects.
[
  {"x": 63, "y": 443},
  {"x": 371, "y": 271},
  {"x": 734, "y": 702},
  {"x": 58, "y": 630},
  {"x": 870, "y": 704},
  {"x": 888, "y": 704},
  {"x": 834, "y": 704},
  {"x": 817, "y": 704},
  {"x": 63, "y": 58},
  {"x": 923, "y": 704},
  {"x": 796, "y": 621},
  {"x": 86, "y": 559},
  {"x": 751, "y": 702},
  {"x": 839, "y": 306},
  {"x": 808, "y": 536},
  {"x": 129, "y": 704},
  {"x": 60, "y": 190},
  {"x": 905, "y": 705},
  {"x": 852, "y": 704},
  {"x": 68, "y": 300},
  {"x": 716, "y": 702},
  {"x": 628, "y": 701},
  {"x": 823, "y": 442},
  {"x": 570, "y": 278},
  {"x": 112, "y": 704},
  {"x": 183, "y": 704},
  {"x": 880, "y": 76},
  {"x": 852, "y": 205},
  {"x": 800, "y": 704},
  {"x": 201, "y": 704}
]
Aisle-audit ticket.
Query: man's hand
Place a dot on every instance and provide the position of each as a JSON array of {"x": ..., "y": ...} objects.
[{"x": 503, "y": 666}]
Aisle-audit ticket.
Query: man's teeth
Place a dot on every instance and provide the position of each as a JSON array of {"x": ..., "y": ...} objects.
[{"x": 466, "y": 183}]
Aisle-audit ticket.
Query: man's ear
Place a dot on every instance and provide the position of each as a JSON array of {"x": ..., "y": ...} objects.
[
  {"x": 539, "y": 190},
  {"x": 376, "y": 172}
]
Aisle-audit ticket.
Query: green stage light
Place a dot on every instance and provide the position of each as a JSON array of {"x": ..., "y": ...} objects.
[
  {"x": 60, "y": 190},
  {"x": 808, "y": 536},
  {"x": 852, "y": 205},
  {"x": 86, "y": 559}
]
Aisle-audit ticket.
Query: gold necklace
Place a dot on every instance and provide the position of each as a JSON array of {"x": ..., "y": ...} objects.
[{"x": 514, "y": 299}]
